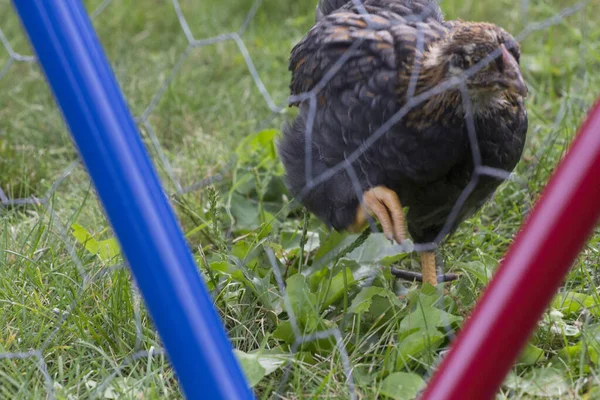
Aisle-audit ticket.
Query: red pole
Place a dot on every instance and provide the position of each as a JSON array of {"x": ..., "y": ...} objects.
[{"x": 528, "y": 277}]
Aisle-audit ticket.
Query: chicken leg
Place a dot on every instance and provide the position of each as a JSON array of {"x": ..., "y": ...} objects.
[
  {"x": 428, "y": 268},
  {"x": 384, "y": 205}
]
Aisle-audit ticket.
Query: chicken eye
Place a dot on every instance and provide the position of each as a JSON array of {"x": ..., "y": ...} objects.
[{"x": 458, "y": 60}]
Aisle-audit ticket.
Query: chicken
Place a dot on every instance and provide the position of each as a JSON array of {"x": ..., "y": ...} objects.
[{"x": 395, "y": 55}]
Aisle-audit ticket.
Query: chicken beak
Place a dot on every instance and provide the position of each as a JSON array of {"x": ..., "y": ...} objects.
[{"x": 516, "y": 84}]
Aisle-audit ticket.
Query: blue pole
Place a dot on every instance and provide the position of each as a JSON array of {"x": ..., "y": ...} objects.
[{"x": 128, "y": 186}]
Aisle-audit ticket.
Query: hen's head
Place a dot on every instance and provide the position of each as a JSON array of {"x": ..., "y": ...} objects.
[{"x": 486, "y": 54}]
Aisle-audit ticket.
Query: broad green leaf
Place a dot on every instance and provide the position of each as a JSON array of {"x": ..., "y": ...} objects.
[
  {"x": 362, "y": 272},
  {"x": 256, "y": 143},
  {"x": 108, "y": 249},
  {"x": 260, "y": 363},
  {"x": 245, "y": 212},
  {"x": 105, "y": 249},
  {"x": 483, "y": 272},
  {"x": 531, "y": 355},
  {"x": 241, "y": 248},
  {"x": 592, "y": 334},
  {"x": 373, "y": 251},
  {"x": 331, "y": 241},
  {"x": 374, "y": 301},
  {"x": 228, "y": 269},
  {"x": 337, "y": 288},
  {"x": 85, "y": 239},
  {"x": 382, "y": 310},
  {"x": 425, "y": 317},
  {"x": 323, "y": 345},
  {"x": 412, "y": 346},
  {"x": 319, "y": 279},
  {"x": 426, "y": 295},
  {"x": 512, "y": 381},
  {"x": 253, "y": 370},
  {"x": 571, "y": 354},
  {"x": 573, "y": 303},
  {"x": 276, "y": 188},
  {"x": 306, "y": 357},
  {"x": 542, "y": 382},
  {"x": 364, "y": 298},
  {"x": 401, "y": 386},
  {"x": 270, "y": 363},
  {"x": 290, "y": 240},
  {"x": 284, "y": 332},
  {"x": 302, "y": 301},
  {"x": 267, "y": 293},
  {"x": 376, "y": 248},
  {"x": 362, "y": 376},
  {"x": 244, "y": 184}
]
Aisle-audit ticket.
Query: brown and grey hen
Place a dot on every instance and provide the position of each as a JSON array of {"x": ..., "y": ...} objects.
[{"x": 393, "y": 51}]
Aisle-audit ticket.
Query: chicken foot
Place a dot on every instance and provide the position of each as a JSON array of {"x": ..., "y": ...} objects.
[
  {"x": 428, "y": 271},
  {"x": 384, "y": 205}
]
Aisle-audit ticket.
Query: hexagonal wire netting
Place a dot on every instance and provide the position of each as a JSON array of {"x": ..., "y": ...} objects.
[{"x": 46, "y": 207}]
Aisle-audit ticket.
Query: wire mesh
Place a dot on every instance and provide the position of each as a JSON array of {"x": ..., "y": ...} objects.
[{"x": 138, "y": 344}]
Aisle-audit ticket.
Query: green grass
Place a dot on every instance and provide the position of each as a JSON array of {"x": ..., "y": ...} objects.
[{"x": 61, "y": 294}]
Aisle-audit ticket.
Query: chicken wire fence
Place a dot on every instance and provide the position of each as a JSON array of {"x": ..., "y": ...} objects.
[{"x": 46, "y": 206}]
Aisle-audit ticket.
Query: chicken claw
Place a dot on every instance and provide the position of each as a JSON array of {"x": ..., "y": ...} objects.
[{"x": 383, "y": 204}]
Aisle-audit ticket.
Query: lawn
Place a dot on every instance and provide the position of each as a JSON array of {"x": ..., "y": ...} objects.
[{"x": 74, "y": 326}]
